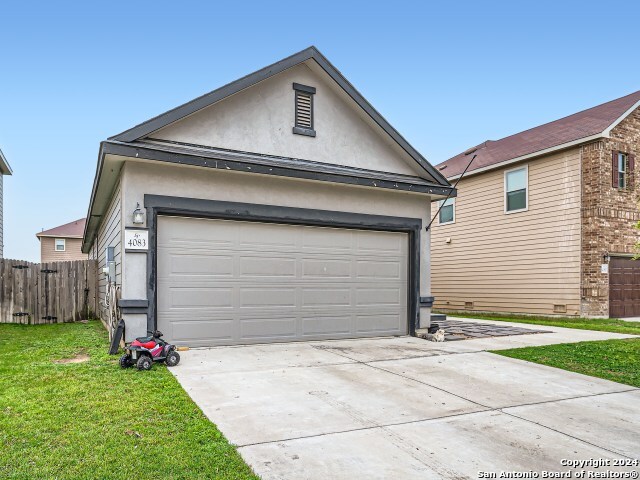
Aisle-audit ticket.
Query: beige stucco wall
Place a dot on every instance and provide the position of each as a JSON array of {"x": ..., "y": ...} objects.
[
  {"x": 524, "y": 262},
  {"x": 141, "y": 177},
  {"x": 73, "y": 250},
  {"x": 260, "y": 119}
]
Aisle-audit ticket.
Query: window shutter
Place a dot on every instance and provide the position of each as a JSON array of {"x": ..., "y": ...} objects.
[
  {"x": 614, "y": 169},
  {"x": 631, "y": 159}
]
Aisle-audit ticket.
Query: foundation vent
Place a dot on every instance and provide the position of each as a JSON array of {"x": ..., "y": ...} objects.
[
  {"x": 559, "y": 309},
  {"x": 468, "y": 305}
]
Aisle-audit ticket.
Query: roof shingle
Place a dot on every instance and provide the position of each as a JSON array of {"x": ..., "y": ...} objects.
[
  {"x": 583, "y": 124},
  {"x": 73, "y": 229}
]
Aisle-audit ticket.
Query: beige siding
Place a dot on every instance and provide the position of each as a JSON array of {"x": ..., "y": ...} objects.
[
  {"x": 523, "y": 262},
  {"x": 109, "y": 235},
  {"x": 73, "y": 250}
]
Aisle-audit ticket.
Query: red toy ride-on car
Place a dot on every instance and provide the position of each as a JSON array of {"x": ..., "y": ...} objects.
[{"x": 145, "y": 350}]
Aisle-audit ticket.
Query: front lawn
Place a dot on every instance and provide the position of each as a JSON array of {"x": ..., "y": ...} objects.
[
  {"x": 616, "y": 360},
  {"x": 92, "y": 419},
  {"x": 599, "y": 324}
]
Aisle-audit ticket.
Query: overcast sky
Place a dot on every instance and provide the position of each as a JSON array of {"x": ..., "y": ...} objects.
[{"x": 447, "y": 75}]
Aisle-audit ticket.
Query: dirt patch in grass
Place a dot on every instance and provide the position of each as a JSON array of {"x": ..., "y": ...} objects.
[{"x": 79, "y": 358}]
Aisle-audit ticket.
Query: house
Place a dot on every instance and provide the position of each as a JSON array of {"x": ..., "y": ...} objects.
[
  {"x": 63, "y": 243},
  {"x": 5, "y": 169},
  {"x": 544, "y": 221},
  {"x": 277, "y": 208}
]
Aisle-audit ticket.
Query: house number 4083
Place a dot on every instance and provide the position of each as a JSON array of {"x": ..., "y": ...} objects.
[{"x": 136, "y": 239}]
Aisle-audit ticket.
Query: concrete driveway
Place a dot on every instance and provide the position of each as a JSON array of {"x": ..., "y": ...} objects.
[{"x": 407, "y": 408}]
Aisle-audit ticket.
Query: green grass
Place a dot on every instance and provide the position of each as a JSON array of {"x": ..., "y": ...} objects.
[
  {"x": 616, "y": 360},
  {"x": 94, "y": 420},
  {"x": 599, "y": 324}
]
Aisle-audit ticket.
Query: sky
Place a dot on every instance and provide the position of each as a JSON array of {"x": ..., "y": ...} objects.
[{"x": 446, "y": 75}]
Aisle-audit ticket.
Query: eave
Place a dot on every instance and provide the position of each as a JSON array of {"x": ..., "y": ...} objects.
[{"x": 249, "y": 163}]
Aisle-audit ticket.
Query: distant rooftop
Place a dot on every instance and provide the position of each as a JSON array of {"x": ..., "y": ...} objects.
[
  {"x": 581, "y": 125},
  {"x": 73, "y": 229}
]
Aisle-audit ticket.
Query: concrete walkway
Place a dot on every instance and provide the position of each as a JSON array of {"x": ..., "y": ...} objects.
[{"x": 407, "y": 408}]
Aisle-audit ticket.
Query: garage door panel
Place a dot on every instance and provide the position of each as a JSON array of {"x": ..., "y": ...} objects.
[
  {"x": 379, "y": 296},
  {"x": 336, "y": 297},
  {"x": 267, "y": 297},
  {"x": 200, "y": 264},
  {"x": 270, "y": 235},
  {"x": 312, "y": 267},
  {"x": 257, "y": 283},
  {"x": 189, "y": 297},
  {"x": 377, "y": 270},
  {"x": 319, "y": 240},
  {"x": 270, "y": 267},
  {"x": 381, "y": 242},
  {"x": 378, "y": 323},
  {"x": 326, "y": 325},
  {"x": 203, "y": 331},
  {"x": 266, "y": 328}
]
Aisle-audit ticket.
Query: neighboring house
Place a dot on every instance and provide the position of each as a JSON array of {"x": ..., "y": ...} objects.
[
  {"x": 63, "y": 243},
  {"x": 544, "y": 220},
  {"x": 5, "y": 169},
  {"x": 280, "y": 207}
]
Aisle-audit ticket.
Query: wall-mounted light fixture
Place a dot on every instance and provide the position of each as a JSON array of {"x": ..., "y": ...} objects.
[
  {"x": 606, "y": 257},
  {"x": 138, "y": 215}
]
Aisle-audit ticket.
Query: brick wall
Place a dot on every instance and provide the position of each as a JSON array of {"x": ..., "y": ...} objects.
[{"x": 608, "y": 214}]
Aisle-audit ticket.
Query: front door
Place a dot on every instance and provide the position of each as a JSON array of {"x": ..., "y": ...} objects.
[{"x": 624, "y": 288}]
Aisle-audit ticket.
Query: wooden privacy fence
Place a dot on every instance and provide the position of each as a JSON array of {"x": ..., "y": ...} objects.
[{"x": 54, "y": 292}]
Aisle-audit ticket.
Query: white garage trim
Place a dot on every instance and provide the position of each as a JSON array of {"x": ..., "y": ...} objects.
[{"x": 198, "y": 208}]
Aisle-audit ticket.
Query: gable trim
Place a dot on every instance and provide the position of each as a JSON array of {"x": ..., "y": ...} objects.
[
  {"x": 208, "y": 99},
  {"x": 607, "y": 131}
]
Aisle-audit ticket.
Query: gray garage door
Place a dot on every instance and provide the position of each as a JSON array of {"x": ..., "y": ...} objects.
[{"x": 224, "y": 282}]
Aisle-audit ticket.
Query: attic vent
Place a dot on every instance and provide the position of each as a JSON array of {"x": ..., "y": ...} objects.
[{"x": 304, "y": 110}]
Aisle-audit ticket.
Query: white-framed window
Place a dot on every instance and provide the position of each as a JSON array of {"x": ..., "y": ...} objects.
[
  {"x": 60, "y": 245},
  {"x": 622, "y": 170},
  {"x": 447, "y": 211},
  {"x": 516, "y": 190}
]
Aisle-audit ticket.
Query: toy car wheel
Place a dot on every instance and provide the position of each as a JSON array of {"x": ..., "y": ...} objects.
[
  {"x": 125, "y": 361},
  {"x": 144, "y": 363},
  {"x": 172, "y": 359}
]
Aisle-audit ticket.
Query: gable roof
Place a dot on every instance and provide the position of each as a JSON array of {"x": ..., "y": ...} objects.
[
  {"x": 232, "y": 88},
  {"x": 73, "y": 229},
  {"x": 5, "y": 168},
  {"x": 578, "y": 128}
]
